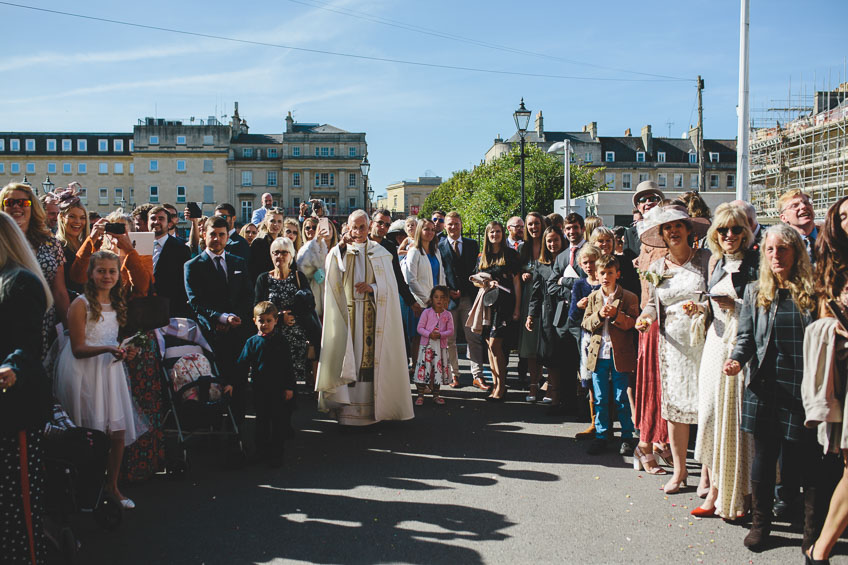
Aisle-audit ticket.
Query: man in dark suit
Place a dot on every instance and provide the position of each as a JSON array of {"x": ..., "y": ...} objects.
[
  {"x": 236, "y": 244},
  {"x": 172, "y": 223},
  {"x": 459, "y": 258},
  {"x": 220, "y": 293},
  {"x": 169, "y": 259}
]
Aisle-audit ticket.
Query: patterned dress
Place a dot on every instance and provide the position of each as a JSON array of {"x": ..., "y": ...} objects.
[
  {"x": 281, "y": 293},
  {"x": 146, "y": 456},
  {"x": 50, "y": 257}
]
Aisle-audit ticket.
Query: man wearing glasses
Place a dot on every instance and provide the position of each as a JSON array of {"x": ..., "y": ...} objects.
[
  {"x": 796, "y": 210},
  {"x": 515, "y": 227},
  {"x": 381, "y": 221},
  {"x": 438, "y": 219},
  {"x": 648, "y": 195},
  {"x": 236, "y": 244}
]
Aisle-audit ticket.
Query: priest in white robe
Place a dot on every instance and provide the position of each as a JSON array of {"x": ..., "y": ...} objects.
[{"x": 362, "y": 373}]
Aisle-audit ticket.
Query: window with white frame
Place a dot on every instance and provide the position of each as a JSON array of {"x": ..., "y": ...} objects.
[
  {"x": 640, "y": 156},
  {"x": 325, "y": 179},
  {"x": 132, "y": 168},
  {"x": 15, "y": 168},
  {"x": 2, "y": 168},
  {"x": 83, "y": 195},
  {"x": 66, "y": 144},
  {"x": 82, "y": 145},
  {"x": 208, "y": 193},
  {"x": 154, "y": 140},
  {"x": 351, "y": 152},
  {"x": 351, "y": 179},
  {"x": 609, "y": 156},
  {"x": 626, "y": 181},
  {"x": 246, "y": 210},
  {"x": 714, "y": 181},
  {"x": 181, "y": 195},
  {"x": 119, "y": 168},
  {"x": 181, "y": 165},
  {"x": 271, "y": 152},
  {"x": 51, "y": 168},
  {"x": 609, "y": 181},
  {"x": 208, "y": 167},
  {"x": 30, "y": 168},
  {"x": 67, "y": 168},
  {"x": 644, "y": 176},
  {"x": 678, "y": 180},
  {"x": 119, "y": 196},
  {"x": 103, "y": 145},
  {"x": 208, "y": 140},
  {"x": 662, "y": 180},
  {"x": 693, "y": 157},
  {"x": 103, "y": 196},
  {"x": 30, "y": 145},
  {"x": 181, "y": 140},
  {"x": 132, "y": 143},
  {"x": 330, "y": 201},
  {"x": 154, "y": 165},
  {"x": 82, "y": 168},
  {"x": 295, "y": 151},
  {"x": 14, "y": 145},
  {"x": 588, "y": 158},
  {"x": 247, "y": 178},
  {"x": 247, "y": 152},
  {"x": 693, "y": 181},
  {"x": 103, "y": 168},
  {"x": 2, "y": 144},
  {"x": 351, "y": 203},
  {"x": 153, "y": 195},
  {"x": 295, "y": 179},
  {"x": 271, "y": 178},
  {"x": 731, "y": 181},
  {"x": 661, "y": 157},
  {"x": 118, "y": 145},
  {"x": 51, "y": 145},
  {"x": 713, "y": 157}
]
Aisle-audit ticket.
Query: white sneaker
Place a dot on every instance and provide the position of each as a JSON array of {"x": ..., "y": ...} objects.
[{"x": 547, "y": 400}]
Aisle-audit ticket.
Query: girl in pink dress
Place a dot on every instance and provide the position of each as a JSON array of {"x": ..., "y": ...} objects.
[{"x": 434, "y": 327}]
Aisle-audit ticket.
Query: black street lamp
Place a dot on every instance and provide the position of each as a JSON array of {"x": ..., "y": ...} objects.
[
  {"x": 522, "y": 120},
  {"x": 47, "y": 185},
  {"x": 364, "y": 168},
  {"x": 370, "y": 198}
]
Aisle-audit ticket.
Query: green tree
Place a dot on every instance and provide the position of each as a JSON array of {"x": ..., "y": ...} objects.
[{"x": 492, "y": 191}]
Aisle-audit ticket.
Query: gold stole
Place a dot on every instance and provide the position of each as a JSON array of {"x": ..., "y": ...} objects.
[{"x": 369, "y": 312}]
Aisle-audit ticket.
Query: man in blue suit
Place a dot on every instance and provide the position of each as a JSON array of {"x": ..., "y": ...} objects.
[
  {"x": 236, "y": 244},
  {"x": 220, "y": 293}
]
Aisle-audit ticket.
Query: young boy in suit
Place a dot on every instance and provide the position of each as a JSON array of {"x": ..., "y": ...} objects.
[{"x": 610, "y": 316}]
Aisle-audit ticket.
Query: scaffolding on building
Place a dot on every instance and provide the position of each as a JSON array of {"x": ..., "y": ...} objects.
[{"x": 809, "y": 152}]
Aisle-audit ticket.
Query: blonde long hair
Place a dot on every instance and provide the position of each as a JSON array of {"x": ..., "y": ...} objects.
[
  {"x": 800, "y": 281},
  {"x": 72, "y": 243},
  {"x": 116, "y": 293},
  {"x": 15, "y": 250},
  {"x": 728, "y": 215}
]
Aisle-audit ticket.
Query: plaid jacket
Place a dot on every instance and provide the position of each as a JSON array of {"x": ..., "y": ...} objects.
[{"x": 769, "y": 397}]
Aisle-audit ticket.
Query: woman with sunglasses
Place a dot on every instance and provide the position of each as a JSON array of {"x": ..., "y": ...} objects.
[
  {"x": 291, "y": 230},
  {"x": 721, "y": 445},
  {"x": 312, "y": 256},
  {"x": 18, "y": 200}
]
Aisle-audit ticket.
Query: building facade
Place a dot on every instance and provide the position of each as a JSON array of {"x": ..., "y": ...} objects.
[{"x": 407, "y": 196}]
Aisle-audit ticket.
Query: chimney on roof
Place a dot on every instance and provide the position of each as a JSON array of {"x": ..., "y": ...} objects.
[
  {"x": 289, "y": 123},
  {"x": 648, "y": 139},
  {"x": 592, "y": 130},
  {"x": 499, "y": 139},
  {"x": 540, "y": 126},
  {"x": 627, "y": 133}
]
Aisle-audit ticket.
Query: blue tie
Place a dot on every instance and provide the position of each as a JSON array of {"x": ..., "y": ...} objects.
[{"x": 219, "y": 264}]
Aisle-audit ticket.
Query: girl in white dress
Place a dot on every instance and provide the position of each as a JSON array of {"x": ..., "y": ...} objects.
[{"x": 91, "y": 379}]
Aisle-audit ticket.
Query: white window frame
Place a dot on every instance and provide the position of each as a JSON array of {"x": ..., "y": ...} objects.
[
  {"x": 153, "y": 166},
  {"x": 731, "y": 180},
  {"x": 693, "y": 181},
  {"x": 103, "y": 196},
  {"x": 153, "y": 195},
  {"x": 82, "y": 145},
  {"x": 208, "y": 191},
  {"x": 247, "y": 178},
  {"x": 208, "y": 166},
  {"x": 30, "y": 168},
  {"x": 51, "y": 145},
  {"x": 626, "y": 181},
  {"x": 132, "y": 168},
  {"x": 271, "y": 178},
  {"x": 103, "y": 168},
  {"x": 67, "y": 145},
  {"x": 103, "y": 145},
  {"x": 693, "y": 158},
  {"x": 2, "y": 168},
  {"x": 609, "y": 156},
  {"x": 29, "y": 144},
  {"x": 609, "y": 181},
  {"x": 132, "y": 145},
  {"x": 14, "y": 145},
  {"x": 118, "y": 145},
  {"x": 119, "y": 195},
  {"x": 67, "y": 168},
  {"x": 351, "y": 152},
  {"x": 181, "y": 165},
  {"x": 83, "y": 195},
  {"x": 296, "y": 179},
  {"x": 247, "y": 152},
  {"x": 208, "y": 140},
  {"x": 643, "y": 177},
  {"x": 246, "y": 210},
  {"x": 713, "y": 157},
  {"x": 640, "y": 156},
  {"x": 181, "y": 195},
  {"x": 678, "y": 180},
  {"x": 2, "y": 144},
  {"x": 271, "y": 152},
  {"x": 153, "y": 140},
  {"x": 662, "y": 180},
  {"x": 15, "y": 169},
  {"x": 589, "y": 157},
  {"x": 82, "y": 168},
  {"x": 295, "y": 151},
  {"x": 351, "y": 179},
  {"x": 717, "y": 183},
  {"x": 661, "y": 157},
  {"x": 51, "y": 168},
  {"x": 119, "y": 168},
  {"x": 181, "y": 140}
]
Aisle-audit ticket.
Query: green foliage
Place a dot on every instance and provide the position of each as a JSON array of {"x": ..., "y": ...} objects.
[{"x": 492, "y": 191}]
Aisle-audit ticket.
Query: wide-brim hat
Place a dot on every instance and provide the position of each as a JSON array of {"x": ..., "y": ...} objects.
[
  {"x": 647, "y": 187},
  {"x": 398, "y": 226},
  {"x": 659, "y": 215}
]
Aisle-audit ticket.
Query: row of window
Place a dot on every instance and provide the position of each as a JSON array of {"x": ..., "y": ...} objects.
[
  {"x": 67, "y": 145},
  {"x": 208, "y": 166},
  {"x": 330, "y": 201},
  {"x": 324, "y": 151},
  {"x": 181, "y": 140},
  {"x": 321, "y": 179},
  {"x": 662, "y": 180},
  {"x": 609, "y": 157},
  {"x": 67, "y": 168}
]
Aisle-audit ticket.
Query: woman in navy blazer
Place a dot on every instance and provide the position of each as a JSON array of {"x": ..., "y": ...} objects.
[{"x": 775, "y": 312}]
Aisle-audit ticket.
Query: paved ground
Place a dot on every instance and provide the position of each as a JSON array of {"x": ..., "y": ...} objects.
[{"x": 468, "y": 482}]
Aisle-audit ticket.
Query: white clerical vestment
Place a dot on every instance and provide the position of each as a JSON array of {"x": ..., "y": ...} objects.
[{"x": 362, "y": 377}]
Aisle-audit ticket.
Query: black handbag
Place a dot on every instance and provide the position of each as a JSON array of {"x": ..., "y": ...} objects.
[{"x": 303, "y": 308}]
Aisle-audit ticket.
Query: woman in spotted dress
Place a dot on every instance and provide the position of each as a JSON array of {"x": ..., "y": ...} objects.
[{"x": 18, "y": 200}]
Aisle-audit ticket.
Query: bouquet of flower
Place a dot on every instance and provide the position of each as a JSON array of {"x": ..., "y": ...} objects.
[
  {"x": 653, "y": 278},
  {"x": 138, "y": 340}
]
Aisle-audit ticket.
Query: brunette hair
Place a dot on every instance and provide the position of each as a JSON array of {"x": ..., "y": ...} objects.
[
  {"x": 438, "y": 288},
  {"x": 295, "y": 225},
  {"x": 545, "y": 256},
  {"x": 590, "y": 223},
  {"x": 832, "y": 255},
  {"x": 575, "y": 218},
  {"x": 266, "y": 221},
  {"x": 15, "y": 250},
  {"x": 37, "y": 231},
  {"x": 72, "y": 243},
  {"x": 116, "y": 293},
  {"x": 418, "y": 243},
  {"x": 695, "y": 205},
  {"x": 526, "y": 249},
  {"x": 489, "y": 258},
  {"x": 607, "y": 261},
  {"x": 265, "y": 307}
]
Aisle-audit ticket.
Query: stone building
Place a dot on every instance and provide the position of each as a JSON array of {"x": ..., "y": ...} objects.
[{"x": 406, "y": 197}]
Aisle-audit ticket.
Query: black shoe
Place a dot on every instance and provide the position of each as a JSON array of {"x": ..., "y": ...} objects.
[
  {"x": 628, "y": 445},
  {"x": 597, "y": 446}
]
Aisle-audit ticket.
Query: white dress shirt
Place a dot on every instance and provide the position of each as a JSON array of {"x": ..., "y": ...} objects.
[
  {"x": 158, "y": 245},
  {"x": 223, "y": 317}
]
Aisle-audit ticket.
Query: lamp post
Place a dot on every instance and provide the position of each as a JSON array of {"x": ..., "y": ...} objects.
[
  {"x": 565, "y": 147},
  {"x": 522, "y": 119},
  {"x": 364, "y": 168},
  {"x": 47, "y": 185},
  {"x": 370, "y": 199}
]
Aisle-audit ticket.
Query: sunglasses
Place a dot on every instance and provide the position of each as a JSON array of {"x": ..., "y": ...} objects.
[
  {"x": 383, "y": 224},
  {"x": 737, "y": 230},
  {"x": 308, "y": 228},
  {"x": 290, "y": 232},
  {"x": 22, "y": 202},
  {"x": 277, "y": 252},
  {"x": 652, "y": 198},
  {"x": 438, "y": 220}
]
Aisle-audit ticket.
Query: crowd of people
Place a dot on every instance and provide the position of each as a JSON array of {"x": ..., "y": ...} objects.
[{"x": 688, "y": 317}]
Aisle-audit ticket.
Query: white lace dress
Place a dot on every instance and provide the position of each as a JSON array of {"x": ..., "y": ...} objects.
[
  {"x": 95, "y": 390},
  {"x": 681, "y": 336},
  {"x": 721, "y": 444}
]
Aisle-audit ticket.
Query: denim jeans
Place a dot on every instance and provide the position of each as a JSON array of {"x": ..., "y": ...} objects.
[{"x": 601, "y": 376}]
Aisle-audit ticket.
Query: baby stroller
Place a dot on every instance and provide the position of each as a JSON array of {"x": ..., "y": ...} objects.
[
  {"x": 197, "y": 405},
  {"x": 75, "y": 471}
]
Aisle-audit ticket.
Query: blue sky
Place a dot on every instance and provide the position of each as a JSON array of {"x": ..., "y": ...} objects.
[{"x": 69, "y": 74}]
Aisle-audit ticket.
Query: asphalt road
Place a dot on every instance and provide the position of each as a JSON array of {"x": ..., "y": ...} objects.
[{"x": 468, "y": 482}]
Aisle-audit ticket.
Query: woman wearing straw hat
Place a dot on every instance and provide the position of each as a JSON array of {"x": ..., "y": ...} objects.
[{"x": 676, "y": 304}]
